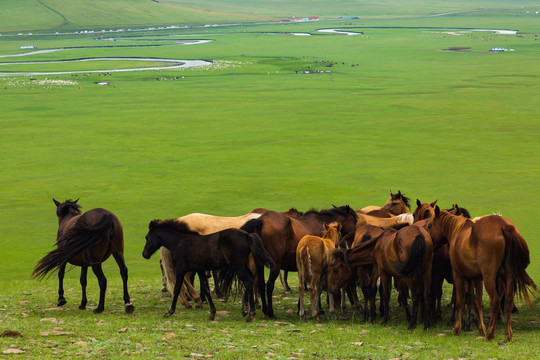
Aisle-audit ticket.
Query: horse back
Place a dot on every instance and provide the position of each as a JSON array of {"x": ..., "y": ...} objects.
[{"x": 100, "y": 250}]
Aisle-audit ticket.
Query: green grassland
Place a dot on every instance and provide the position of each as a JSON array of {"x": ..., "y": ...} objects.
[{"x": 397, "y": 110}]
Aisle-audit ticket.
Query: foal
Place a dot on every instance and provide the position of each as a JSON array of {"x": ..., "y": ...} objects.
[{"x": 313, "y": 256}]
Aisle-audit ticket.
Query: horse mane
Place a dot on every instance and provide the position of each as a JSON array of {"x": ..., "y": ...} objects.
[
  {"x": 344, "y": 210},
  {"x": 452, "y": 224},
  {"x": 171, "y": 224},
  {"x": 340, "y": 254},
  {"x": 69, "y": 205}
]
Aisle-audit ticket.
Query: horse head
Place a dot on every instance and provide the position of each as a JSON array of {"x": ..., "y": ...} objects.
[
  {"x": 66, "y": 208},
  {"x": 397, "y": 204},
  {"x": 340, "y": 271},
  {"x": 423, "y": 210}
]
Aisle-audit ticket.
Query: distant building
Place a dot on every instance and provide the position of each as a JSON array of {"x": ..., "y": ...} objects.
[{"x": 28, "y": 47}]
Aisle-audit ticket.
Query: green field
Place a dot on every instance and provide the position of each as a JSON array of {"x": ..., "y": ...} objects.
[{"x": 414, "y": 103}]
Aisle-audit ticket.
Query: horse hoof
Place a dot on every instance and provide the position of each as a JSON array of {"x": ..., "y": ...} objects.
[
  {"x": 82, "y": 307},
  {"x": 98, "y": 310},
  {"x": 129, "y": 308},
  {"x": 62, "y": 302}
]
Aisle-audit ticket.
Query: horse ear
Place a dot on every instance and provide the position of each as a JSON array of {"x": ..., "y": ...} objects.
[
  {"x": 433, "y": 203},
  {"x": 399, "y": 193},
  {"x": 418, "y": 203},
  {"x": 437, "y": 211},
  {"x": 56, "y": 202},
  {"x": 325, "y": 226},
  {"x": 76, "y": 200}
]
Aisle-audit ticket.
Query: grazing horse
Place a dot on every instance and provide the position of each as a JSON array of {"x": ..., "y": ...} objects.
[
  {"x": 312, "y": 260},
  {"x": 281, "y": 234},
  {"x": 205, "y": 224},
  {"x": 489, "y": 249},
  {"x": 190, "y": 251},
  {"x": 397, "y": 204},
  {"x": 355, "y": 263},
  {"x": 85, "y": 240}
]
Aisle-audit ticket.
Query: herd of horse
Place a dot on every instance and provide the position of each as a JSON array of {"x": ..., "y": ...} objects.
[{"x": 336, "y": 250}]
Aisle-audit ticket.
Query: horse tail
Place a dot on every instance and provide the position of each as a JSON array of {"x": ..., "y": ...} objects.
[
  {"x": 73, "y": 242},
  {"x": 253, "y": 226},
  {"x": 517, "y": 255},
  {"x": 169, "y": 271},
  {"x": 225, "y": 279},
  {"x": 415, "y": 258},
  {"x": 259, "y": 252},
  {"x": 306, "y": 265}
]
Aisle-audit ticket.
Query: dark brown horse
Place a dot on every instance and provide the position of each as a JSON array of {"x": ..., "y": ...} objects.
[
  {"x": 354, "y": 264},
  {"x": 85, "y": 240},
  {"x": 227, "y": 250},
  {"x": 489, "y": 249},
  {"x": 281, "y": 234}
]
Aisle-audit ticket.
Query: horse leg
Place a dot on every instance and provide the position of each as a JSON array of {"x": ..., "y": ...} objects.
[
  {"x": 259, "y": 268},
  {"x": 315, "y": 294},
  {"x": 177, "y": 287},
  {"x": 415, "y": 297},
  {"x": 274, "y": 273},
  {"x": 102, "y": 281},
  {"x": 301, "y": 289},
  {"x": 128, "y": 306},
  {"x": 459, "y": 284},
  {"x": 509, "y": 304},
  {"x": 61, "y": 271},
  {"x": 330, "y": 299},
  {"x": 384, "y": 289},
  {"x": 164, "y": 288},
  {"x": 246, "y": 277},
  {"x": 83, "y": 280},
  {"x": 490, "y": 282},
  {"x": 283, "y": 278},
  {"x": 205, "y": 289}
]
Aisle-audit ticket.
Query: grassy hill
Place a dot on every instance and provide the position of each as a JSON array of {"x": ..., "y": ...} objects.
[{"x": 27, "y": 15}]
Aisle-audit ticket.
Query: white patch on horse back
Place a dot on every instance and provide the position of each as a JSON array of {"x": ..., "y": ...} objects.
[
  {"x": 408, "y": 218},
  {"x": 253, "y": 216}
]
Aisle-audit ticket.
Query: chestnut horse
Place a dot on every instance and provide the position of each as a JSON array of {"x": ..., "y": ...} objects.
[
  {"x": 397, "y": 204},
  {"x": 227, "y": 250},
  {"x": 85, "y": 240},
  {"x": 312, "y": 260},
  {"x": 281, "y": 234},
  {"x": 489, "y": 249},
  {"x": 442, "y": 269}
]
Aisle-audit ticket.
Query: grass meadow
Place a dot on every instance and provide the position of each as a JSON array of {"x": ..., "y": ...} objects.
[{"x": 397, "y": 110}]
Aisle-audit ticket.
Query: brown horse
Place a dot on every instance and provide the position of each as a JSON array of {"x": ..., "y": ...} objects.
[
  {"x": 281, "y": 234},
  {"x": 85, "y": 240},
  {"x": 490, "y": 249},
  {"x": 312, "y": 260},
  {"x": 442, "y": 269},
  {"x": 397, "y": 204}
]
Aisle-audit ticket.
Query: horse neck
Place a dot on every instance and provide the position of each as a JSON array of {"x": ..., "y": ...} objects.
[
  {"x": 361, "y": 255},
  {"x": 170, "y": 238},
  {"x": 451, "y": 225}
]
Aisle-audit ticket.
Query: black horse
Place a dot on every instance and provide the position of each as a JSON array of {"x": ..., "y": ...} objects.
[
  {"x": 85, "y": 240},
  {"x": 226, "y": 250}
]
